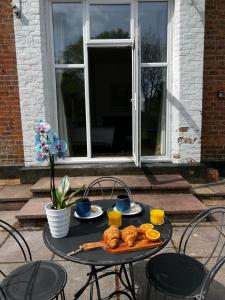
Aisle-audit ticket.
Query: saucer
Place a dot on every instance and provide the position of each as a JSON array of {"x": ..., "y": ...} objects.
[
  {"x": 96, "y": 211},
  {"x": 135, "y": 209}
]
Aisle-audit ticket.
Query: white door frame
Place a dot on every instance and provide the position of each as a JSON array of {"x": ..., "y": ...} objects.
[{"x": 136, "y": 66}]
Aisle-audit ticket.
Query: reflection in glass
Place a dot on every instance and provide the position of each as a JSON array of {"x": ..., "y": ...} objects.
[
  {"x": 153, "y": 111},
  {"x": 68, "y": 33},
  {"x": 153, "y": 27},
  {"x": 71, "y": 110},
  {"x": 111, "y": 21}
]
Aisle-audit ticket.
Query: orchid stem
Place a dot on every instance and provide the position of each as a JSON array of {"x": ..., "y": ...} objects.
[{"x": 52, "y": 181}]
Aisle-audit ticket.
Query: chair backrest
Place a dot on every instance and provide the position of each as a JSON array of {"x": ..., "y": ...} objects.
[
  {"x": 17, "y": 236},
  {"x": 108, "y": 185},
  {"x": 216, "y": 244},
  {"x": 2, "y": 293},
  {"x": 210, "y": 277}
]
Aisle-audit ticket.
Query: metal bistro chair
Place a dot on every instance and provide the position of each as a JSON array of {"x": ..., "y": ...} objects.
[
  {"x": 116, "y": 185},
  {"x": 39, "y": 280},
  {"x": 179, "y": 275}
]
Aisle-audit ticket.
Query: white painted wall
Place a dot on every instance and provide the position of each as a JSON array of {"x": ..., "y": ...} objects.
[
  {"x": 36, "y": 84},
  {"x": 188, "y": 50},
  {"x": 35, "y": 87}
]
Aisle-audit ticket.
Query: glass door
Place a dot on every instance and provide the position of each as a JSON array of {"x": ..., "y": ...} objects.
[
  {"x": 153, "y": 23},
  {"x": 110, "y": 71}
]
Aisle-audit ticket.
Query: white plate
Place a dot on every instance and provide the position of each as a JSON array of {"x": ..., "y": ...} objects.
[
  {"x": 96, "y": 211},
  {"x": 135, "y": 209}
]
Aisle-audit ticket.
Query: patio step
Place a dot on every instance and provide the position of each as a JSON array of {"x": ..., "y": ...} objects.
[
  {"x": 191, "y": 171},
  {"x": 210, "y": 191},
  {"x": 173, "y": 183},
  {"x": 180, "y": 207},
  {"x": 14, "y": 197}
]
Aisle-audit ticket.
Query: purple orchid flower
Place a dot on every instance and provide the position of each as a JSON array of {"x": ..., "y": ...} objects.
[{"x": 41, "y": 128}]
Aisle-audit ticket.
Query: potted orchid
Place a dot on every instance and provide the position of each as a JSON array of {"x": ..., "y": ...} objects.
[{"x": 50, "y": 148}]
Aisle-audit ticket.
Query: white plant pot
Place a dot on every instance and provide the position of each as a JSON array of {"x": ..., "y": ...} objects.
[{"x": 58, "y": 220}]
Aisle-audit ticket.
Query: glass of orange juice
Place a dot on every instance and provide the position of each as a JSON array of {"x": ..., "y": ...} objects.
[
  {"x": 114, "y": 217},
  {"x": 157, "y": 216}
]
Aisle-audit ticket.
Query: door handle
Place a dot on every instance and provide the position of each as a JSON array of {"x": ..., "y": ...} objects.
[{"x": 134, "y": 101}]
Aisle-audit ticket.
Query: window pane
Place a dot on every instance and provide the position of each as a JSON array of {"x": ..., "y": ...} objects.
[
  {"x": 153, "y": 111},
  {"x": 111, "y": 21},
  {"x": 153, "y": 26},
  {"x": 68, "y": 33},
  {"x": 71, "y": 110}
]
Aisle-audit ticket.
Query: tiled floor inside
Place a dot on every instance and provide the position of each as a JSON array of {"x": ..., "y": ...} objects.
[{"x": 10, "y": 258}]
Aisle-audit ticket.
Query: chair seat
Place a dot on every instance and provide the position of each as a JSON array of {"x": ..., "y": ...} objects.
[
  {"x": 40, "y": 280},
  {"x": 176, "y": 274}
]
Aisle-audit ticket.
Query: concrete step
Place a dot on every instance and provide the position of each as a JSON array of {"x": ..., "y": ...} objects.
[
  {"x": 191, "y": 171},
  {"x": 14, "y": 197},
  {"x": 213, "y": 203},
  {"x": 210, "y": 191},
  {"x": 145, "y": 183},
  {"x": 180, "y": 206}
]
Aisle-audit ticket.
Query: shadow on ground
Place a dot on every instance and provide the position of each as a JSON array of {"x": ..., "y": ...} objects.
[{"x": 217, "y": 291}]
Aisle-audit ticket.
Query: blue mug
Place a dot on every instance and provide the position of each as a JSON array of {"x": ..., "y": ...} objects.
[
  {"x": 123, "y": 203},
  {"x": 83, "y": 207}
]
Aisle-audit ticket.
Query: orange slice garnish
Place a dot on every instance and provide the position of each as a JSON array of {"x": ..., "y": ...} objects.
[
  {"x": 152, "y": 235},
  {"x": 146, "y": 226}
]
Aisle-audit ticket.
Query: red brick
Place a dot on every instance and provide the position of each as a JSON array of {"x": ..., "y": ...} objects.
[
  {"x": 11, "y": 146},
  {"x": 213, "y": 117}
]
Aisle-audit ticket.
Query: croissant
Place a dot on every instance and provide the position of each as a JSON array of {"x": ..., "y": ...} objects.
[
  {"x": 111, "y": 236},
  {"x": 129, "y": 235}
]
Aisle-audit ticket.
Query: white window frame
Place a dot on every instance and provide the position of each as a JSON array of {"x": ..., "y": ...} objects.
[{"x": 111, "y": 42}]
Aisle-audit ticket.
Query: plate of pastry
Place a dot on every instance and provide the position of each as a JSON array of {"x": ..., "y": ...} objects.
[
  {"x": 96, "y": 211},
  {"x": 135, "y": 209}
]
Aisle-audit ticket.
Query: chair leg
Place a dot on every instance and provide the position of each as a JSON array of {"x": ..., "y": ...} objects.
[
  {"x": 63, "y": 295},
  {"x": 148, "y": 291}
]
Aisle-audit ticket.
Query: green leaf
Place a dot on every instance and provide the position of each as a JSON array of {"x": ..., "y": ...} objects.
[
  {"x": 63, "y": 188},
  {"x": 75, "y": 192},
  {"x": 72, "y": 203}
]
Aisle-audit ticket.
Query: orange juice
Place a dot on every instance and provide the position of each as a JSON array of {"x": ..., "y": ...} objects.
[
  {"x": 114, "y": 217},
  {"x": 157, "y": 216}
]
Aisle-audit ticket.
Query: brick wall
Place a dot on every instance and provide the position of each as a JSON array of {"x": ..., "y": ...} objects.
[
  {"x": 11, "y": 145},
  {"x": 213, "y": 121}
]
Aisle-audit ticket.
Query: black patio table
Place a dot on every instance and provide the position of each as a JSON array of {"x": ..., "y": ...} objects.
[{"x": 91, "y": 230}]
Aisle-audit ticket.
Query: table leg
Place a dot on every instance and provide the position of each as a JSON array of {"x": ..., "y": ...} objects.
[
  {"x": 130, "y": 284},
  {"x": 132, "y": 276},
  {"x": 80, "y": 292},
  {"x": 93, "y": 278},
  {"x": 96, "y": 282}
]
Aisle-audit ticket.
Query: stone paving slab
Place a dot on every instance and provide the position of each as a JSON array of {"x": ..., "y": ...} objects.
[
  {"x": 132, "y": 181},
  {"x": 9, "y": 217},
  {"x": 3, "y": 237},
  {"x": 201, "y": 242},
  {"x": 77, "y": 275},
  {"x": 209, "y": 189},
  {"x": 168, "y": 181},
  {"x": 173, "y": 203},
  {"x": 4, "y": 182},
  {"x": 17, "y": 192},
  {"x": 33, "y": 209},
  {"x": 10, "y": 251}
]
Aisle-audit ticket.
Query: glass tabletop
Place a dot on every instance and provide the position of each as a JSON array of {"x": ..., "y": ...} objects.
[{"x": 91, "y": 230}]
